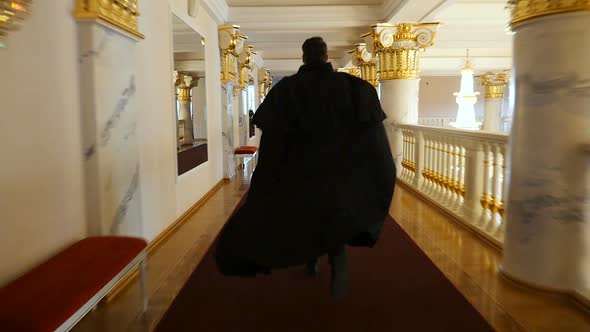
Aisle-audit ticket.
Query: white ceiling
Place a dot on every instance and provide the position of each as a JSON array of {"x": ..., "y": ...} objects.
[{"x": 278, "y": 28}]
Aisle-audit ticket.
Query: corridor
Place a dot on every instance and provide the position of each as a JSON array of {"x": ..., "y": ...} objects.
[{"x": 468, "y": 261}]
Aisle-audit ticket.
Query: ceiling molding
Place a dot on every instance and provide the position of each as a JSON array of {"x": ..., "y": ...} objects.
[
  {"x": 418, "y": 11},
  {"x": 390, "y": 7},
  {"x": 190, "y": 66},
  {"x": 218, "y": 9},
  {"x": 344, "y": 15}
]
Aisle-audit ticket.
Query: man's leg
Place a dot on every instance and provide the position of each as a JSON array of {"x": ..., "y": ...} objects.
[
  {"x": 339, "y": 267},
  {"x": 312, "y": 267}
]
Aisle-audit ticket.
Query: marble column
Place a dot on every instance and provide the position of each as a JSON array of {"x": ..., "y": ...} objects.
[
  {"x": 398, "y": 49},
  {"x": 495, "y": 86},
  {"x": 231, "y": 44},
  {"x": 547, "y": 241},
  {"x": 229, "y": 167},
  {"x": 107, "y": 53},
  {"x": 187, "y": 83}
]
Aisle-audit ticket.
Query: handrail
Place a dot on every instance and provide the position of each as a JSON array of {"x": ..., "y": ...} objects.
[{"x": 462, "y": 171}]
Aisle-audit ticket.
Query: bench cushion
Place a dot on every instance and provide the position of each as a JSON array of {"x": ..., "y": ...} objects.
[
  {"x": 44, "y": 298},
  {"x": 246, "y": 150}
]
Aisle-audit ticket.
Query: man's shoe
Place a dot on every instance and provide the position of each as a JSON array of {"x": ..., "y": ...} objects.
[{"x": 312, "y": 267}]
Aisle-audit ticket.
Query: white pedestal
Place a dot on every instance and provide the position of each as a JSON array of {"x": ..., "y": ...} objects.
[
  {"x": 109, "y": 123},
  {"x": 493, "y": 114}
]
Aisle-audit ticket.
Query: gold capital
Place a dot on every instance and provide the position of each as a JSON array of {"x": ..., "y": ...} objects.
[
  {"x": 12, "y": 13},
  {"x": 366, "y": 62},
  {"x": 495, "y": 84},
  {"x": 264, "y": 82},
  {"x": 184, "y": 84},
  {"x": 398, "y": 47},
  {"x": 119, "y": 13},
  {"x": 525, "y": 10},
  {"x": 244, "y": 64},
  {"x": 231, "y": 42},
  {"x": 354, "y": 71}
]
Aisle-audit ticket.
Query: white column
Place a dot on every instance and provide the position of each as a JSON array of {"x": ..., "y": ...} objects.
[
  {"x": 547, "y": 239},
  {"x": 492, "y": 114},
  {"x": 397, "y": 48},
  {"x": 399, "y": 99},
  {"x": 109, "y": 124},
  {"x": 227, "y": 122},
  {"x": 184, "y": 104},
  {"x": 495, "y": 86}
]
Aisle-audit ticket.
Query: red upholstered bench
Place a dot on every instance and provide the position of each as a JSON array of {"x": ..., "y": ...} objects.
[
  {"x": 58, "y": 293},
  {"x": 247, "y": 152}
]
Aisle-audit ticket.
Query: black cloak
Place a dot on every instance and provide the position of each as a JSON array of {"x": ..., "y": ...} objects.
[{"x": 325, "y": 174}]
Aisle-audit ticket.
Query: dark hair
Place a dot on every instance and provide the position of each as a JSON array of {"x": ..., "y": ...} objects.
[{"x": 315, "y": 50}]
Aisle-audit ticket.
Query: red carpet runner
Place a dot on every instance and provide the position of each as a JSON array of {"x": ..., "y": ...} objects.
[{"x": 393, "y": 287}]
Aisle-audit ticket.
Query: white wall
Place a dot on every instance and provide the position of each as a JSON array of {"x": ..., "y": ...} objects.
[
  {"x": 437, "y": 99},
  {"x": 41, "y": 187},
  {"x": 165, "y": 195},
  {"x": 41, "y": 193}
]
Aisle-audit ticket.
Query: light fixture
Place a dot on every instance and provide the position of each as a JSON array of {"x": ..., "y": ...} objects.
[
  {"x": 11, "y": 14},
  {"x": 203, "y": 41},
  {"x": 466, "y": 98}
]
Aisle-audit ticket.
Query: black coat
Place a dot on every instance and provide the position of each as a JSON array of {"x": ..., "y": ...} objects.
[{"x": 325, "y": 174}]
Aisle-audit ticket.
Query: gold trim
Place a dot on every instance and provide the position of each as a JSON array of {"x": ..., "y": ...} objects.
[
  {"x": 526, "y": 10},
  {"x": 161, "y": 239},
  {"x": 121, "y": 14},
  {"x": 398, "y": 48},
  {"x": 366, "y": 62},
  {"x": 354, "y": 71},
  {"x": 495, "y": 83},
  {"x": 244, "y": 64},
  {"x": 452, "y": 217},
  {"x": 184, "y": 94},
  {"x": 230, "y": 36},
  {"x": 264, "y": 83},
  {"x": 12, "y": 13}
]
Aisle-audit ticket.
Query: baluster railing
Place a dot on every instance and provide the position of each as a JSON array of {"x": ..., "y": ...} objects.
[{"x": 462, "y": 171}]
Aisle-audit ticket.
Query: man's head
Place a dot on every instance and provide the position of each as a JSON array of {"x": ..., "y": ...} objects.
[{"x": 315, "y": 50}]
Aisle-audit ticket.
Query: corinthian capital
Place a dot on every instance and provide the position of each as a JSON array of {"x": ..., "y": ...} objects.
[
  {"x": 495, "y": 83},
  {"x": 231, "y": 42},
  {"x": 245, "y": 66},
  {"x": 366, "y": 62},
  {"x": 398, "y": 47},
  {"x": 120, "y": 13}
]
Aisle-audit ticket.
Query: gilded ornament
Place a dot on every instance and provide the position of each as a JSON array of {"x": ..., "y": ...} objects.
[
  {"x": 495, "y": 84},
  {"x": 231, "y": 42},
  {"x": 184, "y": 84},
  {"x": 365, "y": 61},
  {"x": 525, "y": 10},
  {"x": 244, "y": 63},
  {"x": 12, "y": 13},
  {"x": 398, "y": 47},
  {"x": 264, "y": 82},
  {"x": 354, "y": 71},
  {"x": 119, "y": 13}
]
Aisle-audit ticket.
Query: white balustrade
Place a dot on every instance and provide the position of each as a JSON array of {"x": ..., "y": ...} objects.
[{"x": 462, "y": 171}]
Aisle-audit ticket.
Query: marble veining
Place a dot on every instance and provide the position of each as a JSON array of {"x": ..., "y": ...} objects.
[
  {"x": 124, "y": 204},
  {"x": 89, "y": 153},
  {"x": 120, "y": 108},
  {"x": 552, "y": 91},
  {"x": 96, "y": 51}
]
